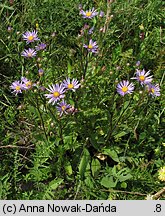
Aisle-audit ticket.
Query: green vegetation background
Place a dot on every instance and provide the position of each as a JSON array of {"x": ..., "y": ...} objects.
[{"x": 68, "y": 166}]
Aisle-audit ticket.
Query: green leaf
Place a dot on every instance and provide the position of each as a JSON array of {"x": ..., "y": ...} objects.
[
  {"x": 112, "y": 154},
  {"x": 68, "y": 140},
  {"x": 123, "y": 133},
  {"x": 84, "y": 162},
  {"x": 7, "y": 7},
  {"x": 124, "y": 177},
  {"x": 127, "y": 54},
  {"x": 55, "y": 183},
  {"x": 68, "y": 168},
  {"x": 49, "y": 192},
  {"x": 95, "y": 167},
  {"x": 108, "y": 182},
  {"x": 69, "y": 68},
  {"x": 89, "y": 183}
]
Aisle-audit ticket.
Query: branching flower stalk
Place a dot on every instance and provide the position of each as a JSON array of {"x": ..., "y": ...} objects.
[
  {"x": 116, "y": 123},
  {"x": 36, "y": 105},
  {"x": 58, "y": 122},
  {"x": 140, "y": 102},
  {"x": 41, "y": 118},
  {"x": 85, "y": 66}
]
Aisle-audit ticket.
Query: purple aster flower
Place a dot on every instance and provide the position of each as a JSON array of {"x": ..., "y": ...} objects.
[
  {"x": 124, "y": 87},
  {"x": 17, "y": 87},
  {"x": 9, "y": 29},
  {"x": 63, "y": 107},
  {"x": 92, "y": 47},
  {"x": 56, "y": 93},
  {"x": 40, "y": 72},
  {"x": 41, "y": 46},
  {"x": 27, "y": 84},
  {"x": 138, "y": 63},
  {"x": 89, "y": 14},
  {"x": 143, "y": 77},
  {"x": 101, "y": 14},
  {"x": 72, "y": 110},
  {"x": 86, "y": 26},
  {"x": 29, "y": 53},
  {"x": 71, "y": 85},
  {"x": 80, "y": 6},
  {"x": 30, "y": 37},
  {"x": 91, "y": 30},
  {"x": 42, "y": 88},
  {"x": 153, "y": 90}
]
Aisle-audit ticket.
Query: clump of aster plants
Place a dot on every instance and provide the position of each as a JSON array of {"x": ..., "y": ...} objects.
[
  {"x": 86, "y": 105},
  {"x": 56, "y": 92}
]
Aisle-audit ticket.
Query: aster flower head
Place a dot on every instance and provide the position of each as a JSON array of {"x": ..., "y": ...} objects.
[
  {"x": 101, "y": 14},
  {"x": 40, "y": 72},
  {"x": 29, "y": 53},
  {"x": 71, "y": 85},
  {"x": 42, "y": 88},
  {"x": 124, "y": 87},
  {"x": 30, "y": 37},
  {"x": 161, "y": 174},
  {"x": 153, "y": 90},
  {"x": 89, "y": 14},
  {"x": 9, "y": 29},
  {"x": 62, "y": 107},
  {"x": 80, "y": 6},
  {"x": 17, "y": 87},
  {"x": 27, "y": 84},
  {"x": 56, "y": 93},
  {"x": 92, "y": 46},
  {"x": 91, "y": 30},
  {"x": 143, "y": 77},
  {"x": 138, "y": 63},
  {"x": 41, "y": 46}
]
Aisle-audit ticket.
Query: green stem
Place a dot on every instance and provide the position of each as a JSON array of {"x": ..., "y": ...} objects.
[
  {"x": 85, "y": 66},
  {"x": 111, "y": 131},
  {"x": 42, "y": 121},
  {"x": 36, "y": 105}
]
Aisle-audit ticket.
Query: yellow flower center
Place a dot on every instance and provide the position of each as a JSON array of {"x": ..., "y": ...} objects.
[
  {"x": 142, "y": 78},
  {"x": 30, "y": 54},
  {"x": 152, "y": 90},
  {"x": 29, "y": 84},
  {"x": 63, "y": 108},
  {"x": 56, "y": 94},
  {"x": 17, "y": 88},
  {"x": 30, "y": 38},
  {"x": 70, "y": 86},
  {"x": 124, "y": 89},
  {"x": 90, "y": 46},
  {"x": 88, "y": 14}
]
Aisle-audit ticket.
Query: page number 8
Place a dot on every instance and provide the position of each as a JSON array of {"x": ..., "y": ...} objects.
[{"x": 158, "y": 208}]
